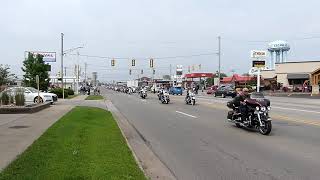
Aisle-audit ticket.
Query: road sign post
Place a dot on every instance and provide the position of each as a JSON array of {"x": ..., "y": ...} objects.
[
  {"x": 38, "y": 86},
  {"x": 258, "y": 63}
]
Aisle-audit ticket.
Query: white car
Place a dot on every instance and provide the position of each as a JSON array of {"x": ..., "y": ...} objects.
[{"x": 31, "y": 94}]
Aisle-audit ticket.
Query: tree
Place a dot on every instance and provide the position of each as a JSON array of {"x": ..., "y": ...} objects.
[
  {"x": 35, "y": 66},
  {"x": 5, "y": 75}
]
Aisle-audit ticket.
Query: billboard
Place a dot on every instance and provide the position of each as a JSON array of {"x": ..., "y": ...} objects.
[
  {"x": 258, "y": 64},
  {"x": 258, "y": 54},
  {"x": 47, "y": 56}
]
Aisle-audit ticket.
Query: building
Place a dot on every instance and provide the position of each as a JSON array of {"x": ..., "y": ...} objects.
[
  {"x": 295, "y": 75},
  {"x": 238, "y": 80}
]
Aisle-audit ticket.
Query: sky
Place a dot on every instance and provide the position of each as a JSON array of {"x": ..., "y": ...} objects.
[{"x": 143, "y": 29}]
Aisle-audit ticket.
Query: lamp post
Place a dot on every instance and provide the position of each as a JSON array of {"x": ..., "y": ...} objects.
[{"x": 64, "y": 52}]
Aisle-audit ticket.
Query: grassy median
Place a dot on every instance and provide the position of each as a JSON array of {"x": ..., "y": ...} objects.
[
  {"x": 84, "y": 144},
  {"x": 94, "y": 97}
]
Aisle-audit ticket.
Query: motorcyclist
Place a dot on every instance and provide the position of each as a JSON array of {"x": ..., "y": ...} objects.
[
  {"x": 160, "y": 93},
  {"x": 239, "y": 101},
  {"x": 188, "y": 93}
]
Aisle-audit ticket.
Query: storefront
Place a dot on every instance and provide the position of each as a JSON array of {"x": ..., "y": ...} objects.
[{"x": 295, "y": 76}]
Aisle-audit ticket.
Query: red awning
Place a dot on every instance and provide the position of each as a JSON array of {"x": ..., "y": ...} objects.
[{"x": 198, "y": 75}]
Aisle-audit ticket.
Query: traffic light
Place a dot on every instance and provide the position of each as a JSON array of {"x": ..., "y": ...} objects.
[
  {"x": 151, "y": 63},
  {"x": 113, "y": 62},
  {"x": 154, "y": 71},
  {"x": 129, "y": 71},
  {"x": 133, "y": 62},
  {"x": 141, "y": 71}
]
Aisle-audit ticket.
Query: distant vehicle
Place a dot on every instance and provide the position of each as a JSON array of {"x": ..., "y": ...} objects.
[
  {"x": 212, "y": 89},
  {"x": 31, "y": 95},
  {"x": 155, "y": 87},
  {"x": 225, "y": 91},
  {"x": 175, "y": 90}
]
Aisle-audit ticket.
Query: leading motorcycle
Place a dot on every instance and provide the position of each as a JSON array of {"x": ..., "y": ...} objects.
[
  {"x": 190, "y": 99},
  {"x": 143, "y": 94},
  {"x": 257, "y": 114},
  {"x": 164, "y": 97}
]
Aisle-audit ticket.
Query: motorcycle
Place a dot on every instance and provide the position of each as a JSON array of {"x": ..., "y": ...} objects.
[
  {"x": 143, "y": 94},
  {"x": 164, "y": 98},
  {"x": 257, "y": 115},
  {"x": 191, "y": 99}
]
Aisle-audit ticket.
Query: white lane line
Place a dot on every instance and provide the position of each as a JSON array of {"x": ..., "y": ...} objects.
[
  {"x": 292, "y": 109},
  {"x": 186, "y": 114}
]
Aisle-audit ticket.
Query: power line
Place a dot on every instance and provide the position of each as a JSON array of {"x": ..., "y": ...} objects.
[{"x": 128, "y": 58}]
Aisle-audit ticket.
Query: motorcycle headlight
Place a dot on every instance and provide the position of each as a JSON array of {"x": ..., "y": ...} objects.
[
  {"x": 263, "y": 108},
  {"x": 258, "y": 108},
  {"x": 269, "y": 108}
]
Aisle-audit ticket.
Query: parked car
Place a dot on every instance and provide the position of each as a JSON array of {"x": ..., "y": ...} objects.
[
  {"x": 31, "y": 94},
  {"x": 225, "y": 91},
  {"x": 212, "y": 89},
  {"x": 175, "y": 90}
]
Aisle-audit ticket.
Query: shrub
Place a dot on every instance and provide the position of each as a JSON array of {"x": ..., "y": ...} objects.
[
  {"x": 69, "y": 91},
  {"x": 20, "y": 98},
  {"x": 5, "y": 98},
  {"x": 58, "y": 92}
]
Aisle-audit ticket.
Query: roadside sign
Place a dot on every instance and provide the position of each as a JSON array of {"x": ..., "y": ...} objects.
[
  {"x": 37, "y": 79},
  {"x": 258, "y": 54},
  {"x": 258, "y": 64},
  {"x": 47, "y": 56},
  {"x": 253, "y": 71}
]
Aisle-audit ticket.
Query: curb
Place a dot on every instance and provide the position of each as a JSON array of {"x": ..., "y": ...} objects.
[{"x": 147, "y": 160}]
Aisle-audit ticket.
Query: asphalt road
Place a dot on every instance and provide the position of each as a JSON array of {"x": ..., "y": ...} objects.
[{"x": 196, "y": 142}]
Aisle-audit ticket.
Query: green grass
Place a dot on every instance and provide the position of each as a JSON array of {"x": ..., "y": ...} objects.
[
  {"x": 72, "y": 96},
  {"x": 94, "y": 97},
  {"x": 84, "y": 144}
]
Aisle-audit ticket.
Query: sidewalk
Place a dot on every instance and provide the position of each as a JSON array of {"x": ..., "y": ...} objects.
[{"x": 18, "y": 131}]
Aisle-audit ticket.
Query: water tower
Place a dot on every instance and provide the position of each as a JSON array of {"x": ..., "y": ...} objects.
[{"x": 278, "y": 52}]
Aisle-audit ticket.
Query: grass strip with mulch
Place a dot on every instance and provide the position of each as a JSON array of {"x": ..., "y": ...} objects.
[
  {"x": 86, "y": 143},
  {"x": 94, "y": 97}
]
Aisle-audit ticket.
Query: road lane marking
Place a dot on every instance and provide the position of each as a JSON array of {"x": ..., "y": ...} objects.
[
  {"x": 273, "y": 116},
  {"x": 292, "y": 109},
  {"x": 186, "y": 114}
]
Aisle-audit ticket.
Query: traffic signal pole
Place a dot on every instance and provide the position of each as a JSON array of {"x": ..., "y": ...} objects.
[{"x": 219, "y": 54}]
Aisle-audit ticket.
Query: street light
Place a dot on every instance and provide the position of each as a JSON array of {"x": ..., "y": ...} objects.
[{"x": 62, "y": 54}]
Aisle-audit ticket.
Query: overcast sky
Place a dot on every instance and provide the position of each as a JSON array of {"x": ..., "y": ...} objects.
[{"x": 162, "y": 28}]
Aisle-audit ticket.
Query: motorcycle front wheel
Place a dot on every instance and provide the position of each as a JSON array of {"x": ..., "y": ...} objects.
[{"x": 266, "y": 129}]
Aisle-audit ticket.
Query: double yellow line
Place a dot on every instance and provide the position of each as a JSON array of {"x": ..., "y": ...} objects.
[
  {"x": 273, "y": 116},
  {"x": 285, "y": 118}
]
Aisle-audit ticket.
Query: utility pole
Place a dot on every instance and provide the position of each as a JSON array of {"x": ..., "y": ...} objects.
[
  {"x": 171, "y": 74},
  {"x": 62, "y": 83},
  {"x": 219, "y": 54},
  {"x": 65, "y": 71},
  {"x": 85, "y": 72}
]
